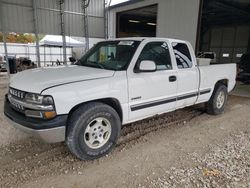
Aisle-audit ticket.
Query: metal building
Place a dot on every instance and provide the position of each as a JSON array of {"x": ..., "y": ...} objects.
[
  {"x": 220, "y": 26},
  {"x": 225, "y": 29},
  {"x": 18, "y": 16},
  {"x": 169, "y": 18},
  {"x": 80, "y": 18}
]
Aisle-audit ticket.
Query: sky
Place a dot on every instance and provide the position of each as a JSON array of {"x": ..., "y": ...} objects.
[{"x": 114, "y": 2}]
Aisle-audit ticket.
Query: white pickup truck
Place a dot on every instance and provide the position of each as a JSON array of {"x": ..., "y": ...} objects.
[{"x": 116, "y": 82}]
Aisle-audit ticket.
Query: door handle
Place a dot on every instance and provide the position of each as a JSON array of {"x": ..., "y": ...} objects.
[{"x": 172, "y": 78}]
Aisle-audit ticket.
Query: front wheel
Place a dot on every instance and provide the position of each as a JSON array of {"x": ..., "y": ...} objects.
[
  {"x": 217, "y": 102},
  {"x": 93, "y": 130}
]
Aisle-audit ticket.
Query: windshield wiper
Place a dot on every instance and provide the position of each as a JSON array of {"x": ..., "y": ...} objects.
[
  {"x": 96, "y": 63},
  {"x": 78, "y": 63},
  {"x": 93, "y": 64}
]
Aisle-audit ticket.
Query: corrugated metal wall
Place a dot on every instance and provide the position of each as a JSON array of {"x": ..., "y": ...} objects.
[{"x": 17, "y": 16}]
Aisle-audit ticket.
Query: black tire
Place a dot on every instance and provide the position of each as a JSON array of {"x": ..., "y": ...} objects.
[
  {"x": 81, "y": 119},
  {"x": 211, "y": 105}
]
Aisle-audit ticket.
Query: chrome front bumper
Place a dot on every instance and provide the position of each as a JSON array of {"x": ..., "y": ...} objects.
[
  {"x": 51, "y": 135},
  {"x": 50, "y": 131}
]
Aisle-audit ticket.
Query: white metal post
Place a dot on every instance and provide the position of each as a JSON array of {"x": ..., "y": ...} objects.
[
  {"x": 106, "y": 6},
  {"x": 62, "y": 17},
  {"x": 85, "y": 4},
  {"x": 6, "y": 53},
  {"x": 36, "y": 33},
  {"x": 44, "y": 54},
  {"x": 4, "y": 37}
]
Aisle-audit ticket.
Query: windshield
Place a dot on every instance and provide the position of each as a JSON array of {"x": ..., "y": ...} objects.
[{"x": 112, "y": 55}]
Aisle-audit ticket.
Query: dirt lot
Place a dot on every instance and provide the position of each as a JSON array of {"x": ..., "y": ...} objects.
[{"x": 187, "y": 148}]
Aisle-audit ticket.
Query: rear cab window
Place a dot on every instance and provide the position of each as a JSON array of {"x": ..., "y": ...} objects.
[{"x": 182, "y": 55}]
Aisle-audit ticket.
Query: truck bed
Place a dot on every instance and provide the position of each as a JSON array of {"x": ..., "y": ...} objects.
[{"x": 210, "y": 74}]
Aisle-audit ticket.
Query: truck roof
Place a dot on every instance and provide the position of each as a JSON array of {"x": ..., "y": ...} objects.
[
  {"x": 131, "y": 38},
  {"x": 144, "y": 38}
]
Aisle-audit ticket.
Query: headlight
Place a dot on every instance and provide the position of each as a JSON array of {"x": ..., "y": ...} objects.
[
  {"x": 38, "y": 99},
  {"x": 39, "y": 106}
]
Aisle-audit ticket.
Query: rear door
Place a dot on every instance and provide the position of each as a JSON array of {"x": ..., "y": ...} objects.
[
  {"x": 151, "y": 93},
  {"x": 188, "y": 75}
]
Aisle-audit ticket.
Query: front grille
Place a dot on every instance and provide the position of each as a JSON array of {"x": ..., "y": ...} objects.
[{"x": 18, "y": 95}]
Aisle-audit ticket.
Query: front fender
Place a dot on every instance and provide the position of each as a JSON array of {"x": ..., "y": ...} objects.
[{"x": 70, "y": 95}]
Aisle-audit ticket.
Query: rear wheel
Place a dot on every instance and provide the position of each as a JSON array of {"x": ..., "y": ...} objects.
[
  {"x": 93, "y": 130},
  {"x": 217, "y": 102}
]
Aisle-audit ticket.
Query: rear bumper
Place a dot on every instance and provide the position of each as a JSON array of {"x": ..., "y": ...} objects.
[{"x": 50, "y": 131}]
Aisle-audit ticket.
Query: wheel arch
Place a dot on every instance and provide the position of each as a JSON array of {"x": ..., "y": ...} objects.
[
  {"x": 221, "y": 81},
  {"x": 211, "y": 109},
  {"x": 112, "y": 102}
]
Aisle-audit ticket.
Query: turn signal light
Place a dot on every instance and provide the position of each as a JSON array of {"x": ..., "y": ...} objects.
[
  {"x": 49, "y": 114},
  {"x": 40, "y": 114}
]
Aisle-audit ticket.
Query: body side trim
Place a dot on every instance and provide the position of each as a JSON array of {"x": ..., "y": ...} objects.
[{"x": 168, "y": 100}]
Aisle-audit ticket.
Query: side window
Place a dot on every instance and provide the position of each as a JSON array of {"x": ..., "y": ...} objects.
[
  {"x": 182, "y": 55},
  {"x": 157, "y": 52}
]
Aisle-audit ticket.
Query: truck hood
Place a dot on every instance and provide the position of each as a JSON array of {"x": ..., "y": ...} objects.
[{"x": 36, "y": 80}]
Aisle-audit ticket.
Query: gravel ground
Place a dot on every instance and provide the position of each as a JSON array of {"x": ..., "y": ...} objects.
[{"x": 224, "y": 165}]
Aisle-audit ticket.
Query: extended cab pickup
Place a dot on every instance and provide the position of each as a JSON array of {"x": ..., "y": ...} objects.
[{"x": 116, "y": 82}]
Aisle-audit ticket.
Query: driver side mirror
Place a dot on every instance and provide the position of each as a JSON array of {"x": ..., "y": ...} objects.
[
  {"x": 72, "y": 59},
  {"x": 147, "y": 66}
]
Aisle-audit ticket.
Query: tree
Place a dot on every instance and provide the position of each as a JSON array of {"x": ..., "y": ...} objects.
[{"x": 18, "y": 38}]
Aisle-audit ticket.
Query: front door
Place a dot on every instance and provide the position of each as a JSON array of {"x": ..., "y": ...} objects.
[{"x": 151, "y": 93}]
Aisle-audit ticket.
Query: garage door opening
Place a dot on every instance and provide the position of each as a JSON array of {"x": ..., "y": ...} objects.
[
  {"x": 225, "y": 29},
  {"x": 225, "y": 32},
  {"x": 141, "y": 22}
]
